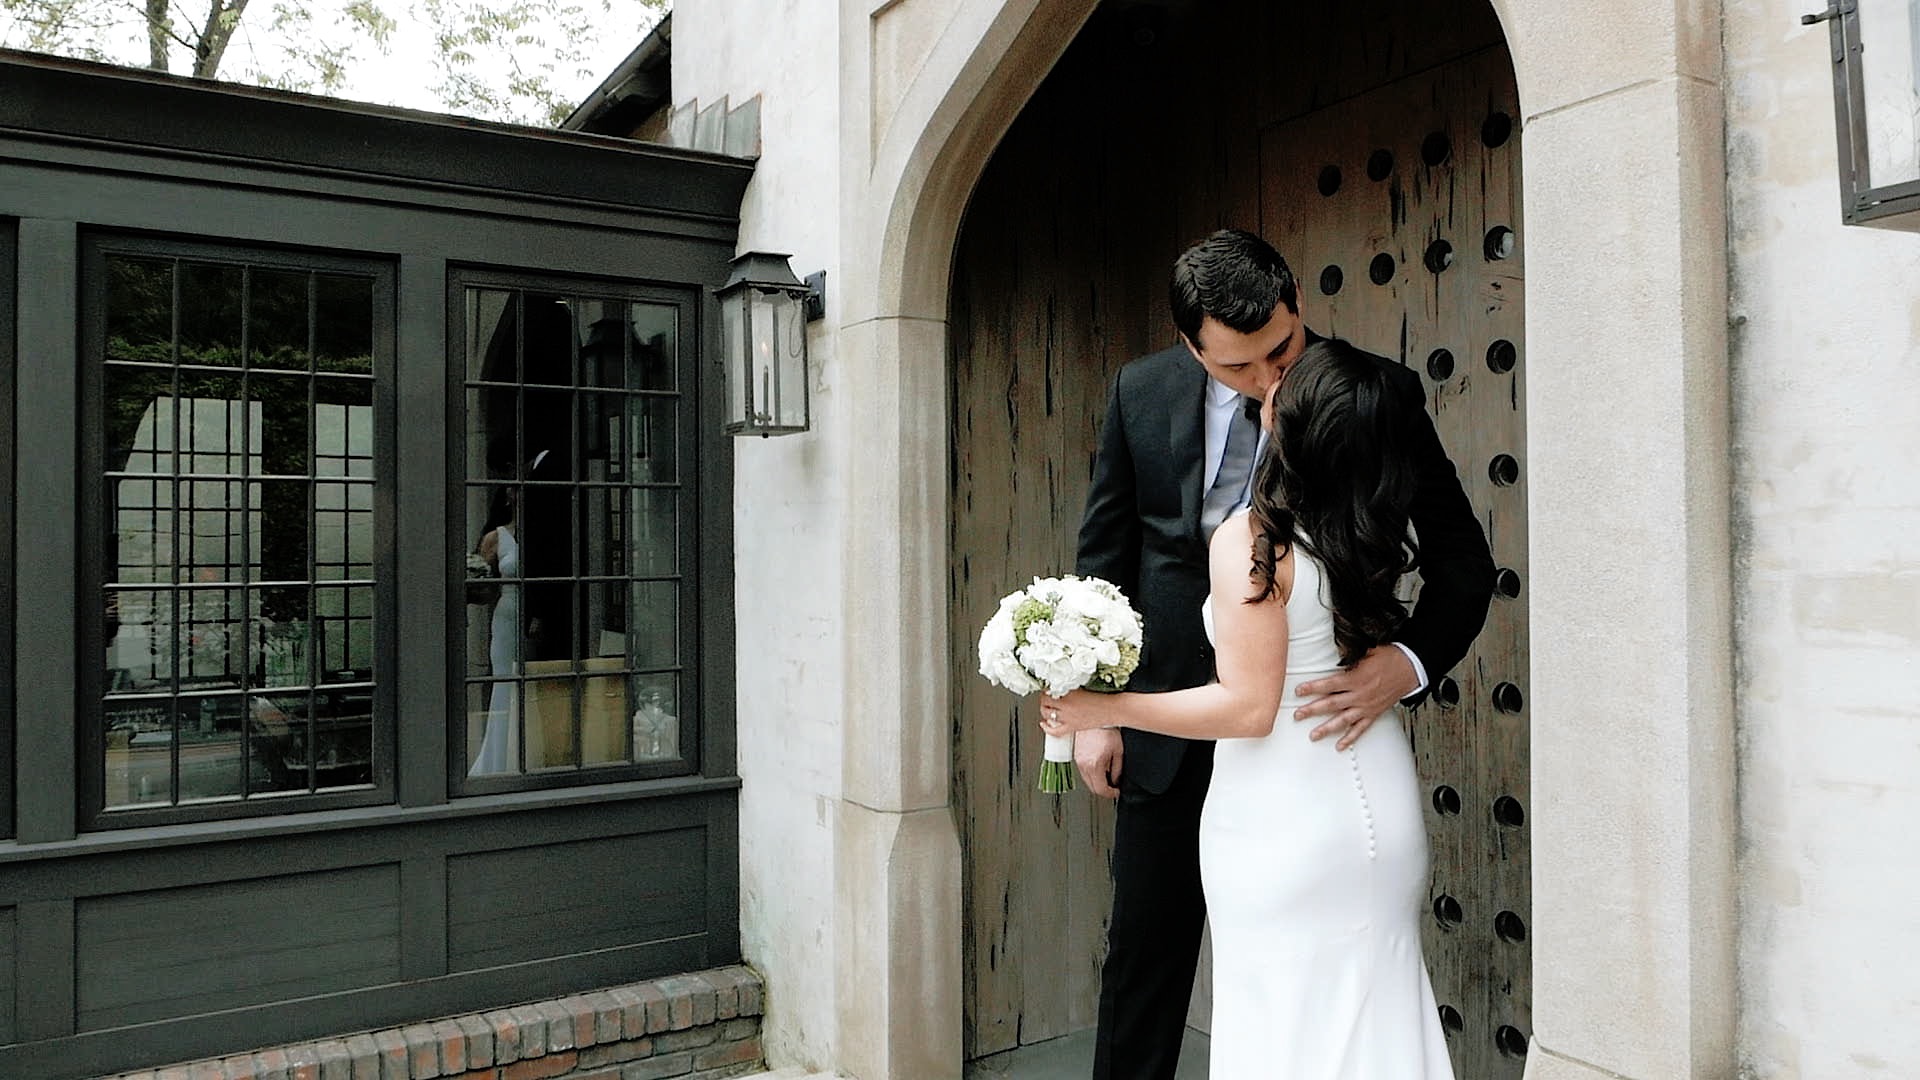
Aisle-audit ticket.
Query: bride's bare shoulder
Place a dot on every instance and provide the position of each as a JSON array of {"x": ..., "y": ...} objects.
[{"x": 1230, "y": 558}]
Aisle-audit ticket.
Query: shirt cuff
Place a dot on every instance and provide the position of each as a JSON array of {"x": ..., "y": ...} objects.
[{"x": 1419, "y": 670}]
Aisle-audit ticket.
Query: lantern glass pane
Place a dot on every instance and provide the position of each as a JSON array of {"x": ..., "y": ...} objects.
[
  {"x": 791, "y": 340},
  {"x": 765, "y": 390},
  {"x": 733, "y": 321},
  {"x": 656, "y": 347},
  {"x": 601, "y": 336},
  {"x": 1889, "y": 30}
]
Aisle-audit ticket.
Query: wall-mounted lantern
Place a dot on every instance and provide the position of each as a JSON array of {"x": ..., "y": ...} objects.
[
  {"x": 1876, "y": 108},
  {"x": 764, "y": 311}
]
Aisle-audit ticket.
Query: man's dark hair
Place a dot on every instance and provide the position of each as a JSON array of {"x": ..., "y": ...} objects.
[{"x": 1234, "y": 276}]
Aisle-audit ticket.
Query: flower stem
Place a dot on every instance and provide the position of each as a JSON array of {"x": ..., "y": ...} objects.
[{"x": 1056, "y": 777}]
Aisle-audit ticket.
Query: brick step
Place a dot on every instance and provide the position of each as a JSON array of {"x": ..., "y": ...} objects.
[{"x": 699, "y": 1026}]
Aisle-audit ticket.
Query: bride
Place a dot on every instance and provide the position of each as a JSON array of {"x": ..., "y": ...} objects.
[{"x": 1313, "y": 859}]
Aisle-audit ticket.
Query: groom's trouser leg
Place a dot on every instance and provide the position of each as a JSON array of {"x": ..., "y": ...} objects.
[{"x": 1153, "y": 940}]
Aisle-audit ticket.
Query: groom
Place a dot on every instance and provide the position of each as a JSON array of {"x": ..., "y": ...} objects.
[{"x": 1176, "y": 457}]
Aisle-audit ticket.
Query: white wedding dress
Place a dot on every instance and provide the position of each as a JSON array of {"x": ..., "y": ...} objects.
[
  {"x": 1314, "y": 862},
  {"x": 500, "y": 745}
]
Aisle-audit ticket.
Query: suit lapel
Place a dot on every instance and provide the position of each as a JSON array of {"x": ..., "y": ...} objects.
[{"x": 1187, "y": 440}]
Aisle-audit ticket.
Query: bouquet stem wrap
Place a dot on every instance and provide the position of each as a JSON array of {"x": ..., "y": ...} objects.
[
  {"x": 1061, "y": 635},
  {"x": 1056, "y": 765}
]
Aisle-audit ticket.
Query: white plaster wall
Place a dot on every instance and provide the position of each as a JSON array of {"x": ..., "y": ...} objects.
[
  {"x": 788, "y": 513},
  {"x": 1825, "y": 354}
]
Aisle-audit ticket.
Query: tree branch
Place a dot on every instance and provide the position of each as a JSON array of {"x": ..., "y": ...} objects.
[
  {"x": 161, "y": 24},
  {"x": 157, "y": 34},
  {"x": 221, "y": 23}
]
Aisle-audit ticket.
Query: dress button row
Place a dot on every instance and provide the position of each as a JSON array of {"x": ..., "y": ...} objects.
[{"x": 1366, "y": 810}]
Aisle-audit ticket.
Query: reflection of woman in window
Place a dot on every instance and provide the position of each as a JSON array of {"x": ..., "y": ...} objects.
[{"x": 500, "y": 746}]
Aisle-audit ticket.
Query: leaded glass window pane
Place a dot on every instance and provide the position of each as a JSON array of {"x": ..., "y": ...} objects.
[
  {"x": 237, "y": 452},
  {"x": 577, "y": 599}
]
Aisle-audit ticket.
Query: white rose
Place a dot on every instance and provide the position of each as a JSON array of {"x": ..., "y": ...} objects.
[
  {"x": 1006, "y": 671},
  {"x": 1048, "y": 658},
  {"x": 1078, "y": 599},
  {"x": 1044, "y": 645},
  {"x": 997, "y": 643},
  {"x": 996, "y": 639},
  {"x": 1102, "y": 602},
  {"x": 1094, "y": 638},
  {"x": 1062, "y": 656}
]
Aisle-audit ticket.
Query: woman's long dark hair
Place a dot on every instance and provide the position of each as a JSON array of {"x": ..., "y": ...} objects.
[{"x": 1336, "y": 470}]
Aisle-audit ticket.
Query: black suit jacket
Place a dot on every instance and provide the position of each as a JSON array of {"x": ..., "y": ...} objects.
[{"x": 1141, "y": 531}]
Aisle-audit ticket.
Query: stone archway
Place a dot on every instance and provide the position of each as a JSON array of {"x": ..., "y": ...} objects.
[{"x": 1633, "y": 724}]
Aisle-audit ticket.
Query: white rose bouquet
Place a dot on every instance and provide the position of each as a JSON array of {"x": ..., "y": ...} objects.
[{"x": 1061, "y": 634}]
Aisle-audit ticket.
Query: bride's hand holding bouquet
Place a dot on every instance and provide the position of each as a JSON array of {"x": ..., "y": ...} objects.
[
  {"x": 1061, "y": 635},
  {"x": 1075, "y": 712}
]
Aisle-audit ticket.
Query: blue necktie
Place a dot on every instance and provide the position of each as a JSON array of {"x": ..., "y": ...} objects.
[{"x": 1236, "y": 464}]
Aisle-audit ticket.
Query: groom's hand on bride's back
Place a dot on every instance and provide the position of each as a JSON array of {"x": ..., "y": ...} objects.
[
  {"x": 1097, "y": 754},
  {"x": 1351, "y": 700}
]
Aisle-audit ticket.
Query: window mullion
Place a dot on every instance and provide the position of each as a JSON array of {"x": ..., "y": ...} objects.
[
  {"x": 313, "y": 528},
  {"x": 247, "y": 554}
]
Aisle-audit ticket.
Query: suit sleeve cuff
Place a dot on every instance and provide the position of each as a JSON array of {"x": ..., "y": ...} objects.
[{"x": 1419, "y": 669}]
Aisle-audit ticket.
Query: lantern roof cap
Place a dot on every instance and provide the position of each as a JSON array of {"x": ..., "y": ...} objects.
[{"x": 763, "y": 269}]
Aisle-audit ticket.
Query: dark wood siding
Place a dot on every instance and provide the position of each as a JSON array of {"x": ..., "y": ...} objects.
[
  {"x": 7, "y": 983},
  {"x": 173, "y": 952},
  {"x": 9, "y": 258},
  {"x": 529, "y": 903}
]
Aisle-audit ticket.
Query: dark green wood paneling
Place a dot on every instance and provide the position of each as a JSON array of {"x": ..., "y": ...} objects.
[
  {"x": 691, "y": 822},
  {"x": 11, "y": 454},
  {"x": 44, "y": 567},
  {"x": 178, "y": 952},
  {"x": 423, "y": 917},
  {"x": 92, "y": 1054},
  {"x": 520, "y": 904},
  {"x": 723, "y": 868},
  {"x": 7, "y": 991},
  {"x": 43, "y": 955},
  {"x": 425, "y": 595},
  {"x": 714, "y": 554},
  {"x": 117, "y": 106}
]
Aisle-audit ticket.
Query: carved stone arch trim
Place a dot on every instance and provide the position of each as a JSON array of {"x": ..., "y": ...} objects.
[{"x": 945, "y": 128}]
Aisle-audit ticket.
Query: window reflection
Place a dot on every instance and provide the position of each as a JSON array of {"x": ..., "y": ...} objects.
[
  {"x": 572, "y": 512},
  {"x": 230, "y": 673}
]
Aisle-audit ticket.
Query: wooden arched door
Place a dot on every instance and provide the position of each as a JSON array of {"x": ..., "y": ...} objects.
[{"x": 1160, "y": 124}]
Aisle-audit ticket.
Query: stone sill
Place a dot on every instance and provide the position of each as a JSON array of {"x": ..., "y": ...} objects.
[{"x": 701, "y": 1026}]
